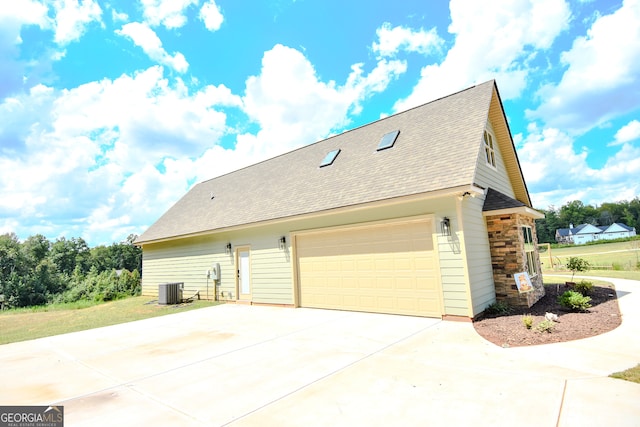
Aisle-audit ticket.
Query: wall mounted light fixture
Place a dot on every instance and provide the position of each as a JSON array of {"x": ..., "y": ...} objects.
[
  {"x": 445, "y": 227},
  {"x": 228, "y": 249},
  {"x": 282, "y": 242}
]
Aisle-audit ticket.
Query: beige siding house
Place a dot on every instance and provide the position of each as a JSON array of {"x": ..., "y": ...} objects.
[{"x": 422, "y": 213}]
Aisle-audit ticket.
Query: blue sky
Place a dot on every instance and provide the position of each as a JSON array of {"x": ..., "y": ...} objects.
[{"x": 111, "y": 110}]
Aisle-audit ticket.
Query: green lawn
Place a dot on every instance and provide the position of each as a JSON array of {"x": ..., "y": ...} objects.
[
  {"x": 618, "y": 259},
  {"x": 631, "y": 275},
  {"x": 631, "y": 374},
  {"x": 549, "y": 279},
  {"x": 27, "y": 324}
]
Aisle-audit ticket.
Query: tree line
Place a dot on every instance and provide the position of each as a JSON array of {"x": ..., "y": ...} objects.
[
  {"x": 576, "y": 213},
  {"x": 38, "y": 271}
]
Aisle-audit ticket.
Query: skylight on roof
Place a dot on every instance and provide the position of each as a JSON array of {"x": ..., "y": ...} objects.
[
  {"x": 388, "y": 140},
  {"x": 329, "y": 158}
]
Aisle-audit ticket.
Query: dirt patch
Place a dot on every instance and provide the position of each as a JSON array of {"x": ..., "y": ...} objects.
[{"x": 510, "y": 331}]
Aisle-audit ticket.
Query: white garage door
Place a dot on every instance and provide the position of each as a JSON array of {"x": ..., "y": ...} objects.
[{"x": 384, "y": 268}]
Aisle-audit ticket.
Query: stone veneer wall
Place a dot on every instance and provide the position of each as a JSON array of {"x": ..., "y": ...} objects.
[{"x": 508, "y": 257}]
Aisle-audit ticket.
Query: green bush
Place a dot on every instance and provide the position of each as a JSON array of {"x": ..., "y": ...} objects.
[
  {"x": 546, "y": 326},
  {"x": 584, "y": 287},
  {"x": 574, "y": 301},
  {"x": 527, "y": 321},
  {"x": 498, "y": 308},
  {"x": 101, "y": 286},
  {"x": 576, "y": 264}
]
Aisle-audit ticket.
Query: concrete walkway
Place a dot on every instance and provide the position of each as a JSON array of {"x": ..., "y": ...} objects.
[{"x": 266, "y": 366}]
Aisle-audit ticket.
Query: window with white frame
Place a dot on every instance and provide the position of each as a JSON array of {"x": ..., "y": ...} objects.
[
  {"x": 489, "y": 149},
  {"x": 529, "y": 251}
]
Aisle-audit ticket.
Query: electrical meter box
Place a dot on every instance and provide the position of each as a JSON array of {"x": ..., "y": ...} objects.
[{"x": 215, "y": 271}]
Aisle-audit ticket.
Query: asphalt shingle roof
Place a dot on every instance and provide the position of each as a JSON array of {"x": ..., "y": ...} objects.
[
  {"x": 436, "y": 149},
  {"x": 495, "y": 200},
  {"x": 565, "y": 232}
]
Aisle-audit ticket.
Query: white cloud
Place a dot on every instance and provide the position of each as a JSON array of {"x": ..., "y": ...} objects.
[
  {"x": 543, "y": 151},
  {"x": 211, "y": 16},
  {"x": 391, "y": 40},
  {"x": 624, "y": 167},
  {"x": 72, "y": 18},
  {"x": 106, "y": 168},
  {"x": 146, "y": 38},
  {"x": 94, "y": 160},
  {"x": 602, "y": 79},
  {"x": 491, "y": 42},
  {"x": 8, "y": 225},
  {"x": 20, "y": 67},
  {"x": 13, "y": 15},
  {"x": 171, "y": 13},
  {"x": 627, "y": 133},
  {"x": 119, "y": 16},
  {"x": 556, "y": 172},
  {"x": 284, "y": 98}
]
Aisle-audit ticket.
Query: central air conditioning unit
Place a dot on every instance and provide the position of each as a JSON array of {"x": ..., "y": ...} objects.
[{"x": 170, "y": 293}]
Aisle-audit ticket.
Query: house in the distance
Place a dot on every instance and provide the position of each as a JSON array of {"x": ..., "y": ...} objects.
[
  {"x": 424, "y": 213},
  {"x": 585, "y": 233}
]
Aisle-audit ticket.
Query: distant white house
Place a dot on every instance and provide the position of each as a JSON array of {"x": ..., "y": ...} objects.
[{"x": 585, "y": 233}]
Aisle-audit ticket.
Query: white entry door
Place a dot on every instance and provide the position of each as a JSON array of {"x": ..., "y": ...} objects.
[{"x": 244, "y": 274}]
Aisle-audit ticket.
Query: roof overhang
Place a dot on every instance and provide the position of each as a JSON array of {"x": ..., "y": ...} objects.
[
  {"x": 498, "y": 117},
  {"x": 522, "y": 210},
  {"x": 458, "y": 191}
]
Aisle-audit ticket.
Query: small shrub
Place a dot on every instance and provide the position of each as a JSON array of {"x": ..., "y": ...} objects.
[
  {"x": 576, "y": 264},
  {"x": 546, "y": 326},
  {"x": 616, "y": 266},
  {"x": 584, "y": 287},
  {"x": 498, "y": 308},
  {"x": 574, "y": 301},
  {"x": 527, "y": 321}
]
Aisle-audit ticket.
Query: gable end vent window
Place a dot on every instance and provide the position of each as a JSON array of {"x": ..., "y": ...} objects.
[
  {"x": 388, "y": 140},
  {"x": 329, "y": 158},
  {"x": 489, "y": 150}
]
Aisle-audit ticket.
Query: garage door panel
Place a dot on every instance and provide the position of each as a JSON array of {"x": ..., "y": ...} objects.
[
  {"x": 388, "y": 269},
  {"x": 383, "y": 264},
  {"x": 364, "y": 264},
  {"x": 405, "y": 283},
  {"x": 348, "y": 265},
  {"x": 407, "y": 304}
]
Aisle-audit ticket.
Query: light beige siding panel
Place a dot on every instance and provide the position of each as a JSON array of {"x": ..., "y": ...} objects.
[
  {"x": 478, "y": 254},
  {"x": 489, "y": 177},
  {"x": 186, "y": 263},
  {"x": 271, "y": 273},
  {"x": 455, "y": 311},
  {"x": 187, "y": 260},
  {"x": 454, "y": 284}
]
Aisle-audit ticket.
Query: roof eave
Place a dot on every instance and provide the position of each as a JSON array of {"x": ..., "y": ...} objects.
[
  {"x": 522, "y": 210},
  {"x": 458, "y": 191},
  {"x": 524, "y": 192}
]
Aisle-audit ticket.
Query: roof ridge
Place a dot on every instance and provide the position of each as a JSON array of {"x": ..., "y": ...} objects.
[
  {"x": 349, "y": 131},
  {"x": 292, "y": 184}
]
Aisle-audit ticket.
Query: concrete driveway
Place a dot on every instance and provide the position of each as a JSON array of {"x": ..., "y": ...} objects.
[{"x": 266, "y": 366}]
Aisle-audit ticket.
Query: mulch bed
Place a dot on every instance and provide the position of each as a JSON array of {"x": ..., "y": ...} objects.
[{"x": 509, "y": 330}]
